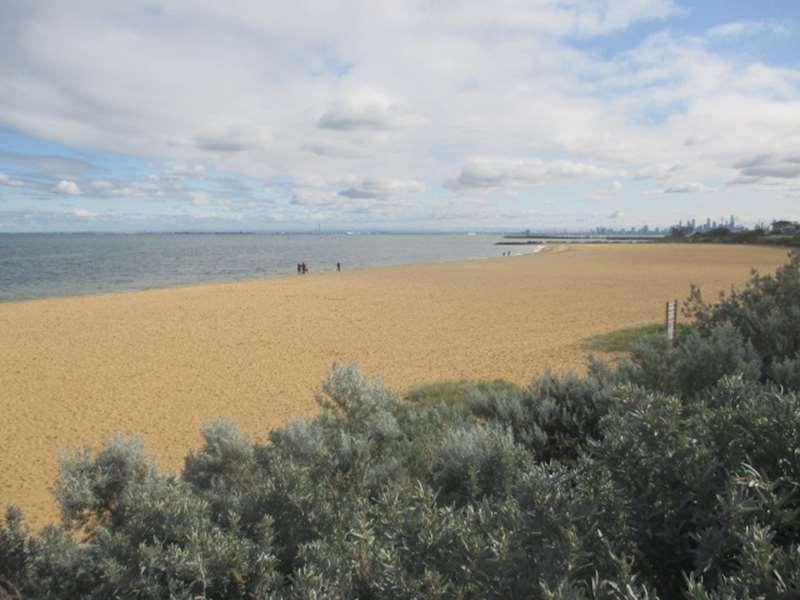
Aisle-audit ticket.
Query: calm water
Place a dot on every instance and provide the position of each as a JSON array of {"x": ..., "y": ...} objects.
[{"x": 39, "y": 266}]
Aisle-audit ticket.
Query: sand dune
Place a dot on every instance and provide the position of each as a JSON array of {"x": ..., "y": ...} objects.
[{"x": 158, "y": 363}]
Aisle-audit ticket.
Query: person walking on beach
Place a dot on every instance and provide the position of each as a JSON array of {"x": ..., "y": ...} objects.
[
  {"x": 304, "y": 267},
  {"x": 338, "y": 266},
  {"x": 299, "y": 269}
]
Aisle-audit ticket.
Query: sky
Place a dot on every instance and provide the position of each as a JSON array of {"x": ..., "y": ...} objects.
[{"x": 165, "y": 115}]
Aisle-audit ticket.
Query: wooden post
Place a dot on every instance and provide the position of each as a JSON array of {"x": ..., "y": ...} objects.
[{"x": 672, "y": 317}]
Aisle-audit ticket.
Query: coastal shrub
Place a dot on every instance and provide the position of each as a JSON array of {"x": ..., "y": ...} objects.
[
  {"x": 766, "y": 313},
  {"x": 225, "y": 458},
  {"x": 556, "y": 415},
  {"x": 680, "y": 467},
  {"x": 476, "y": 462},
  {"x": 14, "y": 540},
  {"x": 89, "y": 488},
  {"x": 786, "y": 373},
  {"x": 693, "y": 364}
]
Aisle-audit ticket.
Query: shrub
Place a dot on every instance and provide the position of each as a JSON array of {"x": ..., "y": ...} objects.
[
  {"x": 766, "y": 313},
  {"x": 556, "y": 416},
  {"x": 225, "y": 459},
  {"x": 89, "y": 489},
  {"x": 786, "y": 373},
  {"x": 693, "y": 364},
  {"x": 476, "y": 462}
]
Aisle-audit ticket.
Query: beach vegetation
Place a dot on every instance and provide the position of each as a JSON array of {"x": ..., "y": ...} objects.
[
  {"x": 455, "y": 393},
  {"x": 623, "y": 340},
  {"x": 781, "y": 233},
  {"x": 672, "y": 473}
]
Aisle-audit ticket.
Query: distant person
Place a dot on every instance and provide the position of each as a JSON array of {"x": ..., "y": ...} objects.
[
  {"x": 299, "y": 268},
  {"x": 305, "y": 268},
  {"x": 338, "y": 266}
]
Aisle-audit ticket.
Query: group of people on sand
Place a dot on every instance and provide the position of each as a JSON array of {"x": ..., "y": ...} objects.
[
  {"x": 302, "y": 269},
  {"x": 507, "y": 253}
]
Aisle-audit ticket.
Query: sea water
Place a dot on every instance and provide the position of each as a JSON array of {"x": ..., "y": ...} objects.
[{"x": 46, "y": 265}]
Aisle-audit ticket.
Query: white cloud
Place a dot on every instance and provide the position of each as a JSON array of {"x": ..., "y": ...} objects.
[
  {"x": 126, "y": 191},
  {"x": 101, "y": 185},
  {"x": 200, "y": 198},
  {"x": 68, "y": 187},
  {"x": 335, "y": 149},
  {"x": 363, "y": 109},
  {"x": 474, "y": 96},
  {"x": 496, "y": 173},
  {"x": 375, "y": 188},
  {"x": 6, "y": 180},
  {"x": 747, "y": 28},
  {"x": 766, "y": 166},
  {"x": 183, "y": 170},
  {"x": 83, "y": 213},
  {"x": 658, "y": 171},
  {"x": 234, "y": 138},
  {"x": 687, "y": 188}
]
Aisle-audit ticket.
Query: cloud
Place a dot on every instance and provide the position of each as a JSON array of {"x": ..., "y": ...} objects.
[
  {"x": 497, "y": 173},
  {"x": 6, "y": 180},
  {"x": 658, "y": 172},
  {"x": 334, "y": 150},
  {"x": 611, "y": 189},
  {"x": 473, "y": 96},
  {"x": 364, "y": 109},
  {"x": 127, "y": 191},
  {"x": 183, "y": 170},
  {"x": 54, "y": 166},
  {"x": 687, "y": 188},
  {"x": 769, "y": 172},
  {"x": 747, "y": 29},
  {"x": 101, "y": 185},
  {"x": 83, "y": 213},
  {"x": 234, "y": 138},
  {"x": 378, "y": 189},
  {"x": 313, "y": 198},
  {"x": 770, "y": 166},
  {"x": 68, "y": 187},
  {"x": 200, "y": 198}
]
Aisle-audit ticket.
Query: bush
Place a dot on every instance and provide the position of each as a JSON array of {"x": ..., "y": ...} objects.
[
  {"x": 766, "y": 313},
  {"x": 556, "y": 416},
  {"x": 693, "y": 364},
  {"x": 786, "y": 373}
]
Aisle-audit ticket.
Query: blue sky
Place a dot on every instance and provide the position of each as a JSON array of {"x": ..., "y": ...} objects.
[{"x": 179, "y": 115}]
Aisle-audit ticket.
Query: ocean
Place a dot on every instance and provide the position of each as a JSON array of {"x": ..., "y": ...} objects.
[{"x": 46, "y": 265}]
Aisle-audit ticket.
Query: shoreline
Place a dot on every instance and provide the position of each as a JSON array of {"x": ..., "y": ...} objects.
[
  {"x": 541, "y": 249},
  {"x": 157, "y": 363}
]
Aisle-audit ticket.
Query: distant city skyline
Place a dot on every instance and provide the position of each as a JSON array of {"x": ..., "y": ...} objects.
[{"x": 156, "y": 115}]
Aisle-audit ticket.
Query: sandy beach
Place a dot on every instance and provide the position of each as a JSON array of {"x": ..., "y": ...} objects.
[{"x": 158, "y": 363}]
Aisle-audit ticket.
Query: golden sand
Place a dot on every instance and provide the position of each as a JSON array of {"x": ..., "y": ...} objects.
[{"x": 158, "y": 363}]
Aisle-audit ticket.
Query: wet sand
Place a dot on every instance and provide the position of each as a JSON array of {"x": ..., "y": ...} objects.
[{"x": 158, "y": 363}]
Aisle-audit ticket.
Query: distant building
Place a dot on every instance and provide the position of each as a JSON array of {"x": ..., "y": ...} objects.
[{"x": 785, "y": 227}]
